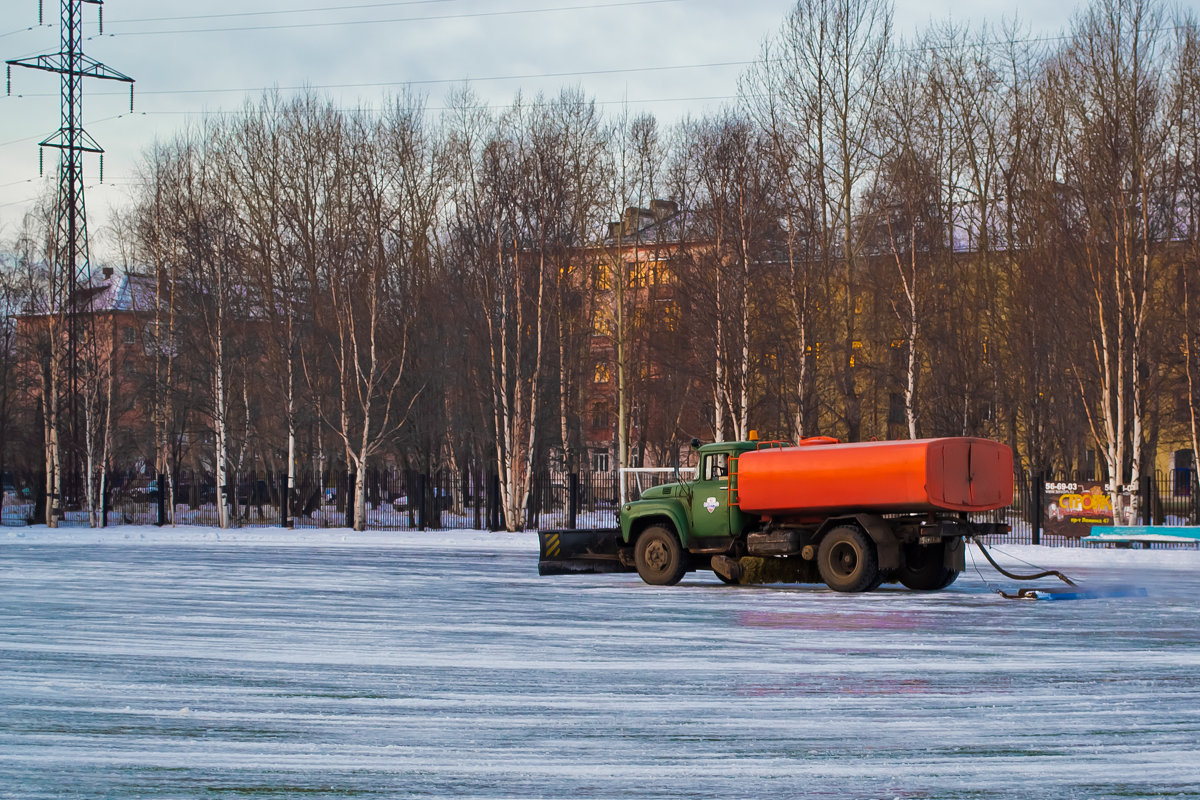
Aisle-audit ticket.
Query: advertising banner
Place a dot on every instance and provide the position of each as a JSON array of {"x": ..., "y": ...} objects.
[{"x": 1073, "y": 507}]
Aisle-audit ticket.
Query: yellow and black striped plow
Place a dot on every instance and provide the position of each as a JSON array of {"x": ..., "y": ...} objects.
[{"x": 591, "y": 550}]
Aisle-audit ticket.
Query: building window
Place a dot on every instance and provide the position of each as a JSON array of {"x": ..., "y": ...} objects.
[
  {"x": 668, "y": 312},
  {"x": 599, "y": 461},
  {"x": 896, "y": 411},
  {"x": 602, "y": 374},
  {"x": 128, "y": 335},
  {"x": 602, "y": 324},
  {"x": 601, "y": 277},
  {"x": 600, "y": 417}
]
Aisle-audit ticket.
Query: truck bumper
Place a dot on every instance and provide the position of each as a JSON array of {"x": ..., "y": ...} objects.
[{"x": 582, "y": 552}]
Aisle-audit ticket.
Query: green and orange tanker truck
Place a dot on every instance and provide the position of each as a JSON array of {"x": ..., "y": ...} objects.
[{"x": 853, "y": 516}]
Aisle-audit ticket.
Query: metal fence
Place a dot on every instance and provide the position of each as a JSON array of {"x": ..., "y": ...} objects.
[
  {"x": 395, "y": 499},
  {"x": 470, "y": 499}
]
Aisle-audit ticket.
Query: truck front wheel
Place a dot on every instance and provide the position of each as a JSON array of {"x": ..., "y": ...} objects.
[
  {"x": 847, "y": 560},
  {"x": 659, "y": 557},
  {"x": 924, "y": 568}
]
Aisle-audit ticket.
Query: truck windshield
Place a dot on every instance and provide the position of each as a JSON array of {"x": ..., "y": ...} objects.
[{"x": 715, "y": 466}]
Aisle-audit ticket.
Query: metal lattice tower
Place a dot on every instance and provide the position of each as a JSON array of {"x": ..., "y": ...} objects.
[
  {"x": 72, "y": 141},
  {"x": 70, "y": 267}
]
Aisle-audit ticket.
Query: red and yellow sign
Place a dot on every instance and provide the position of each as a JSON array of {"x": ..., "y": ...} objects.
[{"x": 1073, "y": 507}]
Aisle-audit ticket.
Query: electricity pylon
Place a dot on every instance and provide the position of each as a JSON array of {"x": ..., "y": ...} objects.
[
  {"x": 72, "y": 141},
  {"x": 70, "y": 266}
]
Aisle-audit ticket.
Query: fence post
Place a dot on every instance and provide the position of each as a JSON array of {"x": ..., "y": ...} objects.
[
  {"x": 493, "y": 499},
  {"x": 1039, "y": 506},
  {"x": 1147, "y": 509},
  {"x": 572, "y": 500},
  {"x": 477, "y": 479},
  {"x": 39, "y": 498},
  {"x": 162, "y": 500},
  {"x": 533, "y": 506},
  {"x": 285, "y": 503},
  {"x": 1194, "y": 483},
  {"x": 104, "y": 500},
  {"x": 422, "y": 500}
]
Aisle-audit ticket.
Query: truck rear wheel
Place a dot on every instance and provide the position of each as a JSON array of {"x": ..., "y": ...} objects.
[
  {"x": 924, "y": 568},
  {"x": 847, "y": 560},
  {"x": 659, "y": 557}
]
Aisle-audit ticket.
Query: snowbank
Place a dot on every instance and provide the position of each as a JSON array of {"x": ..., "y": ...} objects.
[{"x": 273, "y": 537}]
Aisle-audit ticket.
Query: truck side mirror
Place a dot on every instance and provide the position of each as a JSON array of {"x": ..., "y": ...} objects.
[{"x": 695, "y": 443}]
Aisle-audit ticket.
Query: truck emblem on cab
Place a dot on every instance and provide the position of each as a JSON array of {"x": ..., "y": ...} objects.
[{"x": 711, "y": 504}]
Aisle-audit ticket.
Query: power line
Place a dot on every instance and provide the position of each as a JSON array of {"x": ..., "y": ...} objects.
[
  {"x": 90, "y": 187},
  {"x": 541, "y": 75},
  {"x": 19, "y": 202},
  {"x": 14, "y": 183},
  {"x": 290, "y": 11},
  {"x": 22, "y": 30},
  {"x": 471, "y": 15},
  {"x": 434, "y": 81},
  {"x": 33, "y": 137},
  {"x": 240, "y": 112}
]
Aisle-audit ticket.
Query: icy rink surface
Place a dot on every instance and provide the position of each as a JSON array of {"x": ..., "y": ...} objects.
[{"x": 193, "y": 663}]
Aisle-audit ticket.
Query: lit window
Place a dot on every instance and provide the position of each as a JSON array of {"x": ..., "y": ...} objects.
[
  {"x": 601, "y": 278},
  {"x": 602, "y": 325}
]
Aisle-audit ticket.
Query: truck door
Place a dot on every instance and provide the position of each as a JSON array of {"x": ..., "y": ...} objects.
[{"x": 710, "y": 502}]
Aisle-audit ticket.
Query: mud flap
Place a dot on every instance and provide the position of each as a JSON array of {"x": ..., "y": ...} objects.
[
  {"x": 955, "y": 554},
  {"x": 582, "y": 552}
]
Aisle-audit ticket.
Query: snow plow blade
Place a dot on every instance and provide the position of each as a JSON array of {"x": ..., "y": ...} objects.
[{"x": 581, "y": 552}]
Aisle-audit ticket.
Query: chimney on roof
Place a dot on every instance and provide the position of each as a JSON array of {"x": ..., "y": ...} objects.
[
  {"x": 661, "y": 209},
  {"x": 632, "y": 217}
]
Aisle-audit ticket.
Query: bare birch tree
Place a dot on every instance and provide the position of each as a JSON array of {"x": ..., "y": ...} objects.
[
  {"x": 786, "y": 118},
  {"x": 1111, "y": 91},
  {"x": 45, "y": 345},
  {"x": 835, "y": 53},
  {"x": 381, "y": 202}
]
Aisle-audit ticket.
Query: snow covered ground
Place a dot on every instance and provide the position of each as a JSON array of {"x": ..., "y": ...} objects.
[{"x": 183, "y": 663}]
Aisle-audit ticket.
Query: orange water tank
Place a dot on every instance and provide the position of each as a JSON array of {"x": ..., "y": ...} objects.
[{"x": 952, "y": 474}]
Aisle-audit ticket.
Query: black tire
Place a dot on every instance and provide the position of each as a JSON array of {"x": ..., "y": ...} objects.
[
  {"x": 847, "y": 560},
  {"x": 924, "y": 568},
  {"x": 659, "y": 557}
]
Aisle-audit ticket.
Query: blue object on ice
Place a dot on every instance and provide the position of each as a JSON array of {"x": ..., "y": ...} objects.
[{"x": 1090, "y": 594}]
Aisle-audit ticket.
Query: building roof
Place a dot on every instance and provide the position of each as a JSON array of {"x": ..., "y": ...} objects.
[
  {"x": 126, "y": 291},
  {"x": 662, "y": 223}
]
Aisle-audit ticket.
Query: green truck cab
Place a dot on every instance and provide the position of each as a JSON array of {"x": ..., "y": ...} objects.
[{"x": 697, "y": 517}]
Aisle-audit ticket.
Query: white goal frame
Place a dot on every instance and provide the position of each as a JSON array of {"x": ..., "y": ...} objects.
[{"x": 653, "y": 478}]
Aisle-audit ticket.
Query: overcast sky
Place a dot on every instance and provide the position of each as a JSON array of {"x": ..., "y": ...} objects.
[{"x": 671, "y": 57}]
